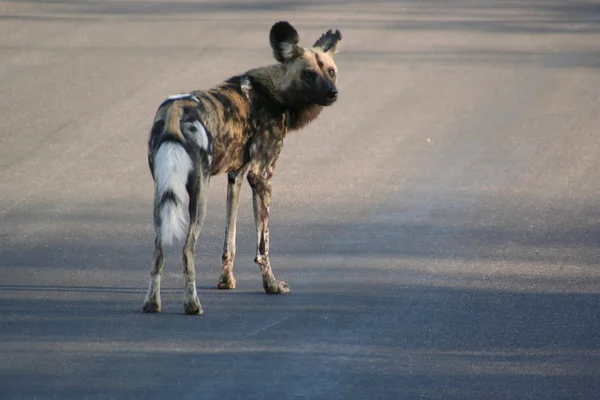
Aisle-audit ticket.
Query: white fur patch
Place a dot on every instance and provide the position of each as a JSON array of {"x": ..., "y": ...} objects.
[
  {"x": 183, "y": 96},
  {"x": 287, "y": 50},
  {"x": 172, "y": 166},
  {"x": 199, "y": 133},
  {"x": 253, "y": 149},
  {"x": 246, "y": 87}
]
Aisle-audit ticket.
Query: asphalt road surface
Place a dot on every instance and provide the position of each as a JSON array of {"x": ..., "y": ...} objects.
[{"x": 439, "y": 226}]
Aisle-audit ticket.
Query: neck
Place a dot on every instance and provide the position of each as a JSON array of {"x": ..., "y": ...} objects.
[{"x": 298, "y": 118}]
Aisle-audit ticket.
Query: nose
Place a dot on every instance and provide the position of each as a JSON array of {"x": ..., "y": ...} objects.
[{"x": 332, "y": 94}]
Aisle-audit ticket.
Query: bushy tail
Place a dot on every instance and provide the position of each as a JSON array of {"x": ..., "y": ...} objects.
[{"x": 172, "y": 166}]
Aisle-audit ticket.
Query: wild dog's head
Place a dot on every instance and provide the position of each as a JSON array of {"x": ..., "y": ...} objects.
[{"x": 310, "y": 74}]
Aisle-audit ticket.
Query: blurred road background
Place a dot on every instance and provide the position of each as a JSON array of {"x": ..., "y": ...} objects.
[{"x": 439, "y": 226}]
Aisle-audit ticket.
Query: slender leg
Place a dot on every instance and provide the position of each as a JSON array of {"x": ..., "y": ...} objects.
[
  {"x": 152, "y": 301},
  {"x": 261, "y": 201},
  {"x": 197, "y": 208},
  {"x": 227, "y": 281}
]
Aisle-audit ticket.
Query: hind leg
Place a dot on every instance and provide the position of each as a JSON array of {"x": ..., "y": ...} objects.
[
  {"x": 197, "y": 208},
  {"x": 227, "y": 281},
  {"x": 152, "y": 301}
]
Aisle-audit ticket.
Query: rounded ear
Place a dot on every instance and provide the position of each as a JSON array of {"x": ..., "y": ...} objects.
[
  {"x": 328, "y": 41},
  {"x": 284, "y": 42}
]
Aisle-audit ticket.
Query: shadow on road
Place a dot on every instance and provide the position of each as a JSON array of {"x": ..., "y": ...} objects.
[
  {"x": 442, "y": 342},
  {"x": 477, "y": 228},
  {"x": 506, "y": 16}
]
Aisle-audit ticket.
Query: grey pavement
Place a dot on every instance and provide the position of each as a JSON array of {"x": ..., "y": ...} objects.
[{"x": 439, "y": 226}]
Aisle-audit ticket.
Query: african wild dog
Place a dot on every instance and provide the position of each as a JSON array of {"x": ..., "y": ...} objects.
[{"x": 238, "y": 127}]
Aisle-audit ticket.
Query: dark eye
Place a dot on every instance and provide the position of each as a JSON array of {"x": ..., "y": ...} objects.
[
  {"x": 331, "y": 72},
  {"x": 309, "y": 74}
]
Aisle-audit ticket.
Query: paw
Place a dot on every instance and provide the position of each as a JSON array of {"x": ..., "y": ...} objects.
[
  {"x": 226, "y": 283},
  {"x": 193, "y": 307},
  {"x": 276, "y": 287},
  {"x": 151, "y": 307}
]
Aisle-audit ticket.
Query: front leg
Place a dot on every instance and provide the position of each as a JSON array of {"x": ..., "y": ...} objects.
[
  {"x": 261, "y": 201},
  {"x": 227, "y": 281}
]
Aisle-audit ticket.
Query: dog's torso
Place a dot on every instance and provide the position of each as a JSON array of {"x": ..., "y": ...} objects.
[{"x": 243, "y": 122}]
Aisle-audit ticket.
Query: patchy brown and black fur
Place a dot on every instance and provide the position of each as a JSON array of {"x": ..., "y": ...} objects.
[{"x": 237, "y": 128}]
